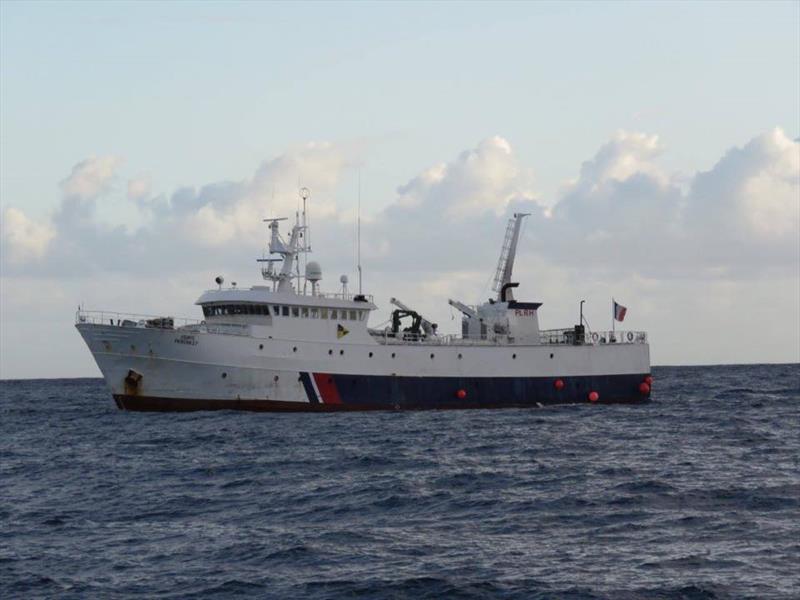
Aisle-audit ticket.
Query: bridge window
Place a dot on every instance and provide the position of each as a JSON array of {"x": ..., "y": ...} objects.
[
  {"x": 353, "y": 316},
  {"x": 315, "y": 313},
  {"x": 323, "y": 313},
  {"x": 304, "y": 312},
  {"x": 333, "y": 314},
  {"x": 295, "y": 311},
  {"x": 285, "y": 311}
]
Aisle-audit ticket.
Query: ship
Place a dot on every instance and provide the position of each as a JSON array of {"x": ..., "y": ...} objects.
[{"x": 287, "y": 345}]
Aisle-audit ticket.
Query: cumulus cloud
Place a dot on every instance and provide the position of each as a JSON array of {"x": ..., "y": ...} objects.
[
  {"x": 212, "y": 223},
  {"x": 24, "y": 240},
  {"x": 737, "y": 218},
  {"x": 91, "y": 177},
  {"x": 622, "y": 213},
  {"x": 625, "y": 155},
  {"x": 754, "y": 191},
  {"x": 483, "y": 179},
  {"x": 139, "y": 188}
]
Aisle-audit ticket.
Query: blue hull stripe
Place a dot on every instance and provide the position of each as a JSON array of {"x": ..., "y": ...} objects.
[
  {"x": 305, "y": 378},
  {"x": 442, "y": 392}
]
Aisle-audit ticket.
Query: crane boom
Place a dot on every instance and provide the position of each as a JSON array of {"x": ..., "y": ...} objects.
[
  {"x": 507, "y": 254},
  {"x": 471, "y": 313}
]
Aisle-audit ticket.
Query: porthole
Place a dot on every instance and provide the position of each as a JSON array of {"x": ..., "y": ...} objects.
[
  {"x": 133, "y": 348},
  {"x": 514, "y": 356},
  {"x": 276, "y": 378},
  {"x": 341, "y": 352},
  {"x": 224, "y": 375},
  {"x": 393, "y": 354},
  {"x": 261, "y": 346},
  {"x": 431, "y": 355},
  {"x": 370, "y": 354},
  {"x": 294, "y": 349},
  {"x": 460, "y": 357},
  {"x": 551, "y": 355},
  {"x": 330, "y": 352}
]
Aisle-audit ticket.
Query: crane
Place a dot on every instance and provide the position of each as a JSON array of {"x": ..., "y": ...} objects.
[
  {"x": 470, "y": 312},
  {"x": 404, "y": 310},
  {"x": 505, "y": 265}
]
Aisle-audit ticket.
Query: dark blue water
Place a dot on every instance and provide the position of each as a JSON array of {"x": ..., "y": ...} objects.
[{"x": 694, "y": 495}]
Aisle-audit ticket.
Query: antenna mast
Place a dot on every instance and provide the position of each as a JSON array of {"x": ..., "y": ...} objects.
[
  {"x": 358, "y": 233},
  {"x": 306, "y": 246}
]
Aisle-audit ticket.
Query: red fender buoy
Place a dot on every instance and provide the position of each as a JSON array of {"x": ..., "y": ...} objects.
[
  {"x": 558, "y": 384},
  {"x": 648, "y": 380},
  {"x": 594, "y": 396},
  {"x": 644, "y": 388},
  {"x": 461, "y": 394}
]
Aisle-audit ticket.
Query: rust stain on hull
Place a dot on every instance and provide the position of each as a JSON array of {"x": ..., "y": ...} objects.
[{"x": 132, "y": 380}]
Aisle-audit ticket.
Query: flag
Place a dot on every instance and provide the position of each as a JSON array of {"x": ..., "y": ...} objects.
[
  {"x": 619, "y": 311},
  {"x": 341, "y": 331}
]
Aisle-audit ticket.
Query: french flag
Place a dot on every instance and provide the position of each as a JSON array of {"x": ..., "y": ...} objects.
[{"x": 619, "y": 311}]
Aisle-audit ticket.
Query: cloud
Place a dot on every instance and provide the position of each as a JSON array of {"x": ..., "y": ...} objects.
[
  {"x": 139, "y": 188},
  {"x": 753, "y": 191},
  {"x": 480, "y": 180},
  {"x": 90, "y": 178},
  {"x": 24, "y": 240},
  {"x": 625, "y": 155},
  {"x": 622, "y": 214}
]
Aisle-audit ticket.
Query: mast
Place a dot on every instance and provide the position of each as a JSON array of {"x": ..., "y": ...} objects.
[
  {"x": 298, "y": 243},
  {"x": 508, "y": 253},
  {"x": 358, "y": 233}
]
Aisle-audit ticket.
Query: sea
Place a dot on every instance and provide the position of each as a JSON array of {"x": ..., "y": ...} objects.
[{"x": 695, "y": 495}]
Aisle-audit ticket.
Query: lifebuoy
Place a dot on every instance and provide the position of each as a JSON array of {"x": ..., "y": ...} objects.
[
  {"x": 595, "y": 337},
  {"x": 630, "y": 336}
]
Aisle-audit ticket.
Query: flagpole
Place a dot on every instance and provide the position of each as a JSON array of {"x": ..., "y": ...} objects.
[{"x": 613, "y": 315}]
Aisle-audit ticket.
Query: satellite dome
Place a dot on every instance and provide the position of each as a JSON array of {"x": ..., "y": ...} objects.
[
  {"x": 313, "y": 271},
  {"x": 343, "y": 279}
]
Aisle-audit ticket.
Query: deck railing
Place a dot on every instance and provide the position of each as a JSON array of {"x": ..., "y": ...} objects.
[
  {"x": 565, "y": 337},
  {"x": 103, "y": 317},
  {"x": 350, "y": 296},
  {"x": 184, "y": 324}
]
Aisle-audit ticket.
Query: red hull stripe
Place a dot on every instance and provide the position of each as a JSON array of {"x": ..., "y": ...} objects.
[{"x": 327, "y": 388}]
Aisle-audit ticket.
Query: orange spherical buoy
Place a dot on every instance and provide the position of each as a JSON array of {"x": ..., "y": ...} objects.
[
  {"x": 644, "y": 388},
  {"x": 558, "y": 384},
  {"x": 648, "y": 380},
  {"x": 594, "y": 396},
  {"x": 461, "y": 394}
]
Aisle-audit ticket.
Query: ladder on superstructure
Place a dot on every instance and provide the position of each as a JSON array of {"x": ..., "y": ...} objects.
[{"x": 501, "y": 264}]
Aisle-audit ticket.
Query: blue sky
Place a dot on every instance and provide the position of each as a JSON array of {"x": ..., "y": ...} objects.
[{"x": 188, "y": 94}]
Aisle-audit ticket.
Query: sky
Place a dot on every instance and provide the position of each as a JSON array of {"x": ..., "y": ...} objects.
[{"x": 654, "y": 144}]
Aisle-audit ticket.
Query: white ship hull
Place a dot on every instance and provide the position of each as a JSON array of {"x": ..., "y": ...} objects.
[{"x": 174, "y": 369}]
